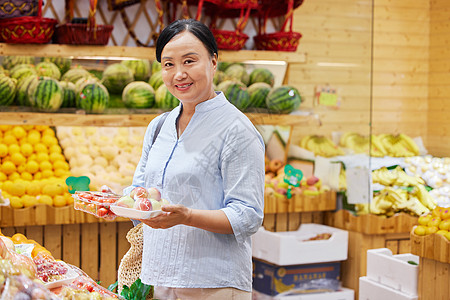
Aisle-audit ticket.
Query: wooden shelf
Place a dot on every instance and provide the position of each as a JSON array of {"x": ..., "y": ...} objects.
[
  {"x": 128, "y": 120},
  {"x": 111, "y": 52}
]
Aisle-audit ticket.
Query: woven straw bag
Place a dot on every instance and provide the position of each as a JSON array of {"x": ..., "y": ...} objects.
[{"x": 131, "y": 263}]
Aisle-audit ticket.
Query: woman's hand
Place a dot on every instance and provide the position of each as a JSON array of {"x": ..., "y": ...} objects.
[{"x": 172, "y": 215}]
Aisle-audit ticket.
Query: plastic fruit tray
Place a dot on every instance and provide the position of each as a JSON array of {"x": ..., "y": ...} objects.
[{"x": 95, "y": 203}]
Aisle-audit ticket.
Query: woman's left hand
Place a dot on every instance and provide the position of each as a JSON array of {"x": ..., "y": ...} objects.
[{"x": 172, "y": 215}]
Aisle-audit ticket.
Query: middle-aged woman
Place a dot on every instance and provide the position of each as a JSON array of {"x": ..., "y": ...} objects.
[{"x": 208, "y": 161}]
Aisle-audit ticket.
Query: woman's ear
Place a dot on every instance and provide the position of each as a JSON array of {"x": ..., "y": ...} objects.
[{"x": 214, "y": 61}]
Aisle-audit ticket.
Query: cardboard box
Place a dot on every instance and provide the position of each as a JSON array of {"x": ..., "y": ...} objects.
[
  {"x": 341, "y": 294},
  {"x": 293, "y": 248},
  {"x": 271, "y": 279},
  {"x": 393, "y": 270},
  {"x": 371, "y": 290}
]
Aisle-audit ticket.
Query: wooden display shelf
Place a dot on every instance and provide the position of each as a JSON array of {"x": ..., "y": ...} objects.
[
  {"x": 325, "y": 201},
  {"x": 371, "y": 224},
  {"x": 127, "y": 120},
  {"x": 282, "y": 214},
  {"x": 433, "y": 246},
  {"x": 434, "y": 265},
  {"x": 369, "y": 232},
  {"x": 119, "y": 52},
  {"x": 42, "y": 214}
]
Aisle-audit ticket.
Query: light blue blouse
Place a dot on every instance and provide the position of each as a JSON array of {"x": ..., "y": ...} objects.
[{"x": 217, "y": 163}]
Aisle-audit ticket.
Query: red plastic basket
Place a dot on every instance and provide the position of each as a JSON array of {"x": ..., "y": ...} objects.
[
  {"x": 278, "y": 41},
  {"x": 18, "y": 8},
  {"x": 27, "y": 30},
  {"x": 82, "y": 34}
]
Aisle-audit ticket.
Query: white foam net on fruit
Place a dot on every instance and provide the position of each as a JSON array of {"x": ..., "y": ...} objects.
[{"x": 130, "y": 265}]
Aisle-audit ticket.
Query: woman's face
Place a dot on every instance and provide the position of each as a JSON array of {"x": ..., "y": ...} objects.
[{"x": 188, "y": 69}]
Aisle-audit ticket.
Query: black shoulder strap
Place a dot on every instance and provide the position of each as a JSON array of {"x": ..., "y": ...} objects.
[{"x": 158, "y": 126}]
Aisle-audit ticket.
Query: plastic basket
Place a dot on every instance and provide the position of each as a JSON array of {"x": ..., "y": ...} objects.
[
  {"x": 82, "y": 34},
  {"x": 27, "y": 30},
  {"x": 18, "y": 8},
  {"x": 278, "y": 41}
]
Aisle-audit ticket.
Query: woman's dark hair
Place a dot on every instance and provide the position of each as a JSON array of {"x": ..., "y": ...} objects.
[{"x": 197, "y": 28}]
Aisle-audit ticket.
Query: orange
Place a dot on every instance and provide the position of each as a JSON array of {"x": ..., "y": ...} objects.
[
  {"x": 26, "y": 176},
  {"x": 45, "y": 199},
  {"x": 18, "y": 159},
  {"x": 40, "y": 148},
  {"x": 28, "y": 127},
  {"x": 37, "y": 175},
  {"x": 14, "y": 176},
  {"x": 5, "y": 127},
  {"x": 34, "y": 137},
  {"x": 8, "y": 167},
  {"x": 15, "y": 202},
  {"x": 49, "y": 140},
  {"x": 26, "y": 149},
  {"x": 21, "y": 168},
  {"x": 29, "y": 201},
  {"x": 47, "y": 174},
  {"x": 69, "y": 198},
  {"x": 33, "y": 188},
  {"x": 45, "y": 165},
  {"x": 3, "y": 177},
  {"x": 41, "y": 127},
  {"x": 55, "y": 156},
  {"x": 42, "y": 156},
  {"x": 32, "y": 166},
  {"x": 18, "y": 189},
  {"x": 19, "y": 132},
  {"x": 55, "y": 148},
  {"x": 13, "y": 148},
  {"x": 48, "y": 131},
  {"x": 3, "y": 150},
  {"x": 59, "y": 201},
  {"x": 9, "y": 140},
  {"x": 59, "y": 164},
  {"x": 19, "y": 238}
]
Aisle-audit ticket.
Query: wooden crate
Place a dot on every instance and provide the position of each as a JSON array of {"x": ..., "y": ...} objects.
[
  {"x": 96, "y": 248},
  {"x": 369, "y": 232},
  {"x": 434, "y": 266},
  {"x": 283, "y": 214}
]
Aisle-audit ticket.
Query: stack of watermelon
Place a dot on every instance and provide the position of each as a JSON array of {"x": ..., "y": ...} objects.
[{"x": 255, "y": 90}]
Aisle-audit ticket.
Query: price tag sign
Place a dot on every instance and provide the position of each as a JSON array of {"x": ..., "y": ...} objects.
[
  {"x": 328, "y": 99},
  {"x": 326, "y": 96}
]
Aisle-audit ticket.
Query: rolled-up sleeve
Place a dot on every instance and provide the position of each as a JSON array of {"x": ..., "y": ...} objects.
[{"x": 242, "y": 170}]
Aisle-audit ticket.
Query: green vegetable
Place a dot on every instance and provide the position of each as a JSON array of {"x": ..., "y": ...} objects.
[{"x": 137, "y": 291}]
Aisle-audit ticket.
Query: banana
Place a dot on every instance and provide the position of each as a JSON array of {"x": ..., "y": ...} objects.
[
  {"x": 346, "y": 139},
  {"x": 414, "y": 205},
  {"x": 409, "y": 143},
  {"x": 304, "y": 141},
  {"x": 377, "y": 147},
  {"x": 425, "y": 197}
]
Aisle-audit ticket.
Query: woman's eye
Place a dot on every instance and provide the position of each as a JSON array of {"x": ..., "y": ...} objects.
[
  {"x": 167, "y": 64},
  {"x": 188, "y": 61}
]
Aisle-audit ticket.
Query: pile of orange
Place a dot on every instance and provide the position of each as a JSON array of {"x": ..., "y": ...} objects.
[{"x": 33, "y": 168}]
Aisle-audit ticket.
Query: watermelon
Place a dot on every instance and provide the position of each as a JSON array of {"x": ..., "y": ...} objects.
[
  {"x": 156, "y": 80},
  {"x": 220, "y": 76},
  {"x": 261, "y": 75},
  {"x": 284, "y": 99},
  {"x": 22, "y": 90},
  {"x": 10, "y": 61},
  {"x": 116, "y": 76},
  {"x": 236, "y": 92},
  {"x": 164, "y": 99},
  {"x": 258, "y": 93},
  {"x": 48, "y": 69},
  {"x": 74, "y": 74},
  {"x": 156, "y": 66},
  {"x": 7, "y": 90},
  {"x": 223, "y": 65},
  {"x": 46, "y": 94},
  {"x": 93, "y": 97},
  {"x": 238, "y": 72},
  {"x": 69, "y": 94},
  {"x": 80, "y": 82},
  {"x": 63, "y": 63},
  {"x": 141, "y": 68},
  {"x": 21, "y": 71},
  {"x": 138, "y": 94}
]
